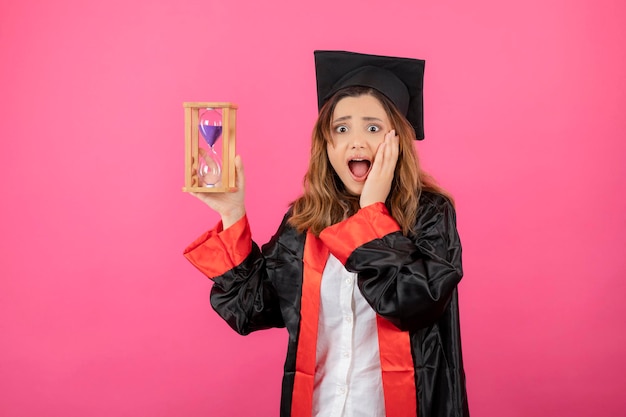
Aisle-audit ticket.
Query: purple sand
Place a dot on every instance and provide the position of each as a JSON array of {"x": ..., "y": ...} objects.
[{"x": 210, "y": 133}]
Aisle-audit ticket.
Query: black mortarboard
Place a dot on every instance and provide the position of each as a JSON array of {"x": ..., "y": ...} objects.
[{"x": 400, "y": 79}]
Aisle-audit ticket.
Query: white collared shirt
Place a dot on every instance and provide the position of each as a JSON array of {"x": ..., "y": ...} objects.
[{"x": 348, "y": 381}]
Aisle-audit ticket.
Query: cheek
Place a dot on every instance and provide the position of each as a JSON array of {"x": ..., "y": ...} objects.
[
  {"x": 375, "y": 142},
  {"x": 334, "y": 157},
  {"x": 334, "y": 162}
]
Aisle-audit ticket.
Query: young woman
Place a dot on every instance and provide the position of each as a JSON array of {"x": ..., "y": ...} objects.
[{"x": 363, "y": 269}]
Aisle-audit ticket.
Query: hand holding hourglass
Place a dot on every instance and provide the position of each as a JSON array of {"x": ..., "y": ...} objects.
[{"x": 230, "y": 206}]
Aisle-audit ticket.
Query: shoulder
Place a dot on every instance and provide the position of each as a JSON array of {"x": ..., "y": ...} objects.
[
  {"x": 430, "y": 201},
  {"x": 435, "y": 212},
  {"x": 286, "y": 235}
]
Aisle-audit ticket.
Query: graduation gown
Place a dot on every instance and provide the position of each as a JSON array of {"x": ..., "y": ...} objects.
[{"x": 411, "y": 283}]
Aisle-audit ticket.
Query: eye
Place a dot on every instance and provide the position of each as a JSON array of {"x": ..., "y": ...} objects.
[
  {"x": 373, "y": 128},
  {"x": 341, "y": 129}
]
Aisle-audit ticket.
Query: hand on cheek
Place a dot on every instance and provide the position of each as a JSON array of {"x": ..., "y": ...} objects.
[{"x": 378, "y": 183}]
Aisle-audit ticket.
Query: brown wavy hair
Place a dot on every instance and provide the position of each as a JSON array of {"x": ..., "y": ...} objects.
[{"x": 326, "y": 201}]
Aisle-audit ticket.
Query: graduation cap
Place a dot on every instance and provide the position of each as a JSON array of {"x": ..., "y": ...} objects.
[{"x": 401, "y": 80}]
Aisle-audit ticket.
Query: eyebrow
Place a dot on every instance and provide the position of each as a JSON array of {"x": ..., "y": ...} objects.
[{"x": 367, "y": 119}]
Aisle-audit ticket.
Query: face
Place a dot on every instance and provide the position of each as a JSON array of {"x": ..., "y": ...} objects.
[{"x": 358, "y": 126}]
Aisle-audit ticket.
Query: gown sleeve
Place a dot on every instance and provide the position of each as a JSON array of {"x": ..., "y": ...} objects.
[
  {"x": 242, "y": 292},
  {"x": 409, "y": 280}
]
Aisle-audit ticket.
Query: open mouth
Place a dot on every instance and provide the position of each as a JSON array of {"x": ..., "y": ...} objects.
[{"x": 359, "y": 168}]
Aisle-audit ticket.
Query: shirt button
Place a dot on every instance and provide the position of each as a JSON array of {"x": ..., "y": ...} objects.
[
  {"x": 349, "y": 319},
  {"x": 348, "y": 280},
  {"x": 342, "y": 390},
  {"x": 346, "y": 354}
]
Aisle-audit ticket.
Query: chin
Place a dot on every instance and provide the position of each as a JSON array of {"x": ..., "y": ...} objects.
[
  {"x": 356, "y": 191},
  {"x": 351, "y": 186}
]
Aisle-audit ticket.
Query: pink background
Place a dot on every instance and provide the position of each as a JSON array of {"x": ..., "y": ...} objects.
[{"x": 100, "y": 314}]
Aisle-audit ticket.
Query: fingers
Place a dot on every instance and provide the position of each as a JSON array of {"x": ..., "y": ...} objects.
[
  {"x": 240, "y": 179},
  {"x": 387, "y": 154},
  {"x": 378, "y": 182}
]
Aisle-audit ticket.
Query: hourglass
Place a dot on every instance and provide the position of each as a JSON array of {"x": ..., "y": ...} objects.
[{"x": 209, "y": 147}]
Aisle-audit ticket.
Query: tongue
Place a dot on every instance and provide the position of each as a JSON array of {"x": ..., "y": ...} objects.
[{"x": 359, "y": 168}]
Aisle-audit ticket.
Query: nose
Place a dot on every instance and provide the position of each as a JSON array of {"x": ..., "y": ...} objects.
[{"x": 358, "y": 142}]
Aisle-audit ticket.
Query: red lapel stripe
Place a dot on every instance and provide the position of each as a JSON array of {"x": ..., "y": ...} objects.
[
  {"x": 397, "y": 370},
  {"x": 315, "y": 257}
]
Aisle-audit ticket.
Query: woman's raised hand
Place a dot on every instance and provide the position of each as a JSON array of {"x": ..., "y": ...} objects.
[{"x": 229, "y": 205}]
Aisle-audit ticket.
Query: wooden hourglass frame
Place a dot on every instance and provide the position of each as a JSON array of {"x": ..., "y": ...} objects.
[{"x": 192, "y": 147}]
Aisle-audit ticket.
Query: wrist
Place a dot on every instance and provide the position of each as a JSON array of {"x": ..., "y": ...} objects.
[
  {"x": 232, "y": 217},
  {"x": 368, "y": 202}
]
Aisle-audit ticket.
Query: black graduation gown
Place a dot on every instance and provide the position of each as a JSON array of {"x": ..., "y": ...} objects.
[{"x": 411, "y": 283}]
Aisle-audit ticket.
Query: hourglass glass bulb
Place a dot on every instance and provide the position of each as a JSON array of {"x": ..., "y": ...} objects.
[{"x": 210, "y": 127}]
